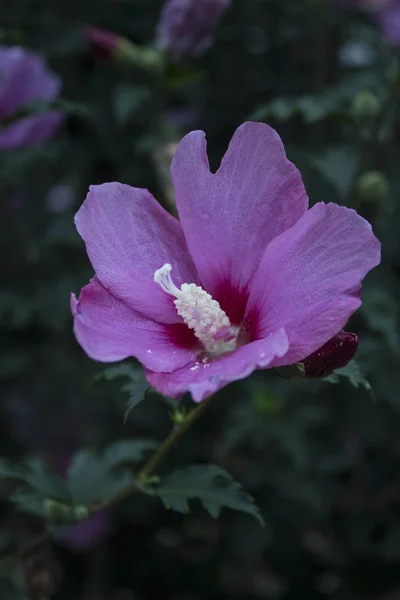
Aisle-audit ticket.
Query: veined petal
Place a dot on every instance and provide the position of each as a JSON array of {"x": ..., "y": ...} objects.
[
  {"x": 109, "y": 331},
  {"x": 309, "y": 279},
  {"x": 202, "y": 379},
  {"x": 230, "y": 217},
  {"x": 129, "y": 236}
]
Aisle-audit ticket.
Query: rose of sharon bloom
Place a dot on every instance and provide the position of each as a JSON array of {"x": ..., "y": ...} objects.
[
  {"x": 24, "y": 79},
  {"x": 187, "y": 27},
  {"x": 248, "y": 279}
]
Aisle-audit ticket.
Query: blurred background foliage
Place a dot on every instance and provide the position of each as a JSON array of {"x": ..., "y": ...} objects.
[{"x": 321, "y": 460}]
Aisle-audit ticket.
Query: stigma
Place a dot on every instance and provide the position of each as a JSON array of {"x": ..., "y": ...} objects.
[{"x": 200, "y": 312}]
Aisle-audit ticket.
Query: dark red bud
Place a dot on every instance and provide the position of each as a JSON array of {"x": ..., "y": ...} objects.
[
  {"x": 103, "y": 43},
  {"x": 335, "y": 354}
]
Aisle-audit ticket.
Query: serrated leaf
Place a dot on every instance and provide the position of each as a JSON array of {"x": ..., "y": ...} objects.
[
  {"x": 136, "y": 386},
  {"x": 128, "y": 451},
  {"x": 38, "y": 476},
  {"x": 352, "y": 372},
  {"x": 90, "y": 479},
  {"x": 210, "y": 484}
]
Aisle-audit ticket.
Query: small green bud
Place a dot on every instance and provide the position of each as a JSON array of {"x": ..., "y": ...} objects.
[
  {"x": 144, "y": 57},
  {"x": 365, "y": 105},
  {"x": 178, "y": 415},
  {"x": 266, "y": 403},
  {"x": 56, "y": 510},
  {"x": 81, "y": 512},
  {"x": 372, "y": 186}
]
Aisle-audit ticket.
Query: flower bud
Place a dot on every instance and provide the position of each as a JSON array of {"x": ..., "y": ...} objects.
[
  {"x": 56, "y": 510},
  {"x": 109, "y": 46},
  {"x": 81, "y": 512},
  {"x": 335, "y": 354},
  {"x": 186, "y": 27},
  {"x": 372, "y": 186},
  {"x": 103, "y": 43},
  {"x": 365, "y": 105}
]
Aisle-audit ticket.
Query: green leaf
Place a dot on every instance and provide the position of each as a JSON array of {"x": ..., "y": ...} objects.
[
  {"x": 338, "y": 166},
  {"x": 352, "y": 372},
  {"x": 136, "y": 386},
  {"x": 213, "y": 486},
  {"x": 30, "y": 502},
  {"x": 43, "y": 479},
  {"x": 9, "y": 471},
  {"x": 38, "y": 476},
  {"x": 128, "y": 451},
  {"x": 90, "y": 479}
]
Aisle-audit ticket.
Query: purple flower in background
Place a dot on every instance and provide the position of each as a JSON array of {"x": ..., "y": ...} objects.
[
  {"x": 187, "y": 27},
  {"x": 24, "y": 79},
  {"x": 389, "y": 20},
  {"x": 248, "y": 279},
  {"x": 387, "y": 15}
]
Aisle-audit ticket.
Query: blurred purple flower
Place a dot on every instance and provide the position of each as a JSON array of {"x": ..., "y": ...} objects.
[
  {"x": 335, "y": 354},
  {"x": 187, "y": 27},
  {"x": 82, "y": 537},
  {"x": 389, "y": 20},
  {"x": 387, "y": 15},
  {"x": 256, "y": 281},
  {"x": 24, "y": 79}
]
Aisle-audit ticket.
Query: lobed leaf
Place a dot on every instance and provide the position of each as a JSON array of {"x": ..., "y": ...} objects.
[{"x": 213, "y": 486}]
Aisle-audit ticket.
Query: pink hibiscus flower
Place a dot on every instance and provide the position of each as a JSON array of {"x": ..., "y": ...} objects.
[{"x": 248, "y": 279}]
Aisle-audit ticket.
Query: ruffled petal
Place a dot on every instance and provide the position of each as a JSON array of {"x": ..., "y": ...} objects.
[
  {"x": 109, "y": 331},
  {"x": 202, "y": 379},
  {"x": 30, "y": 130},
  {"x": 309, "y": 279},
  {"x": 230, "y": 217},
  {"x": 129, "y": 236}
]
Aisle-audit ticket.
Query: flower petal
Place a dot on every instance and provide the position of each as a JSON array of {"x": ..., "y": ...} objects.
[
  {"x": 309, "y": 278},
  {"x": 389, "y": 20},
  {"x": 24, "y": 79},
  {"x": 109, "y": 331},
  {"x": 230, "y": 217},
  {"x": 202, "y": 379},
  {"x": 129, "y": 236},
  {"x": 30, "y": 130}
]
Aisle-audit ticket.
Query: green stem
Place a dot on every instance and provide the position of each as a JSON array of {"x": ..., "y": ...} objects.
[{"x": 151, "y": 465}]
